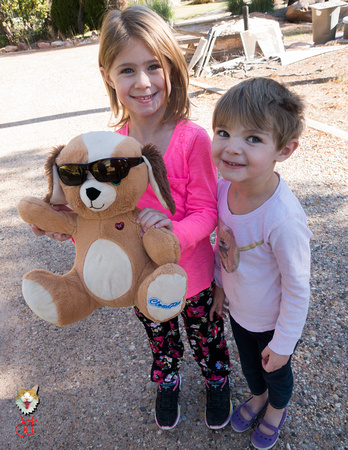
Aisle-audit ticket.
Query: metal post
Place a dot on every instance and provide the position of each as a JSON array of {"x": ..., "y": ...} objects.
[{"x": 246, "y": 17}]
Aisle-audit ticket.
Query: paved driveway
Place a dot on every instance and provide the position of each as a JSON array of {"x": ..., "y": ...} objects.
[{"x": 48, "y": 97}]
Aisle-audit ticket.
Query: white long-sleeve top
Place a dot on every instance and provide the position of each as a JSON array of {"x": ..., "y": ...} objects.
[{"x": 262, "y": 261}]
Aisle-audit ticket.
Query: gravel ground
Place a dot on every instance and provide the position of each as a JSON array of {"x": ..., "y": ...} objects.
[{"x": 93, "y": 376}]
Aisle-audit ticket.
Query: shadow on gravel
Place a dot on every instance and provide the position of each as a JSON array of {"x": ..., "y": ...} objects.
[{"x": 321, "y": 206}]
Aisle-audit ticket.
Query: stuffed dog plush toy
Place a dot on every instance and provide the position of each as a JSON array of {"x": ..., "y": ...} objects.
[{"x": 102, "y": 176}]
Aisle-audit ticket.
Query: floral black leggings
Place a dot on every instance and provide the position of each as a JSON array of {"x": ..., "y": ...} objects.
[{"x": 206, "y": 339}]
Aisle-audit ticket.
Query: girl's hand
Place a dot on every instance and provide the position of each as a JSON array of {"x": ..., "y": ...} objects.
[
  {"x": 218, "y": 306},
  {"x": 52, "y": 234},
  {"x": 271, "y": 361},
  {"x": 149, "y": 217}
]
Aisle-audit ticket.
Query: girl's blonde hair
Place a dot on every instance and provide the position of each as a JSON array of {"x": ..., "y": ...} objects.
[
  {"x": 144, "y": 25},
  {"x": 262, "y": 104}
]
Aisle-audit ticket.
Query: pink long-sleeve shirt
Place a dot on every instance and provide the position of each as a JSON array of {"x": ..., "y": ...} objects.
[{"x": 193, "y": 181}]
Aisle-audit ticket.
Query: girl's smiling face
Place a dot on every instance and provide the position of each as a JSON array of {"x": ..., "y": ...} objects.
[{"x": 139, "y": 80}]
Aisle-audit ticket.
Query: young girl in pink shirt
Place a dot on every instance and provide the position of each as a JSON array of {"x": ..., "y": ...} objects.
[{"x": 147, "y": 82}]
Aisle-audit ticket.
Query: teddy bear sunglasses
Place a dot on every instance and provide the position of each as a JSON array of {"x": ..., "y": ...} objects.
[{"x": 109, "y": 170}]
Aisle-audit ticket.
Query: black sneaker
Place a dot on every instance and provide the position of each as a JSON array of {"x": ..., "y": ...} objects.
[
  {"x": 219, "y": 406},
  {"x": 167, "y": 405}
]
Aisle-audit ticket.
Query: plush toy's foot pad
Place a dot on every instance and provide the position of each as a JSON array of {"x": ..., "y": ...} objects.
[
  {"x": 40, "y": 301},
  {"x": 166, "y": 296}
]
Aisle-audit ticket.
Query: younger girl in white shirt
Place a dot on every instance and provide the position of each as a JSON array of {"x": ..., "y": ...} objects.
[{"x": 262, "y": 249}]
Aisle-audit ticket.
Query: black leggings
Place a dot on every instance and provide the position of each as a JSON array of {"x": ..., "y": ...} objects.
[{"x": 250, "y": 346}]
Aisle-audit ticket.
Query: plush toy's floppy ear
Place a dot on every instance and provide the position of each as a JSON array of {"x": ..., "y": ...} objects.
[
  {"x": 55, "y": 194},
  {"x": 158, "y": 176}
]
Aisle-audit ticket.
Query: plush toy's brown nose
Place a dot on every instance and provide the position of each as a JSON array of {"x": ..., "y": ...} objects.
[{"x": 92, "y": 193}]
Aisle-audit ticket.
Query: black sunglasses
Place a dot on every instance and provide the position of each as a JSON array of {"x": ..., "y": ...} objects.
[{"x": 110, "y": 170}]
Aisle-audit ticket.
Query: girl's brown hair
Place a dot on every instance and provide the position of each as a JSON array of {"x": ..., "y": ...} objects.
[
  {"x": 262, "y": 104},
  {"x": 143, "y": 24}
]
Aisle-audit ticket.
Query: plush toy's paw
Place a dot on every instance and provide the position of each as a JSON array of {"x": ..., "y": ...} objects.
[
  {"x": 166, "y": 296},
  {"x": 162, "y": 246},
  {"x": 40, "y": 301},
  {"x": 164, "y": 293},
  {"x": 58, "y": 299}
]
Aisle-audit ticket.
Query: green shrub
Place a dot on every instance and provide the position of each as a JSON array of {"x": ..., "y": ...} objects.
[
  {"x": 3, "y": 40},
  {"x": 261, "y": 6},
  {"x": 235, "y": 7},
  {"x": 24, "y": 9},
  {"x": 65, "y": 16},
  {"x": 163, "y": 8},
  {"x": 24, "y": 20},
  {"x": 93, "y": 11}
]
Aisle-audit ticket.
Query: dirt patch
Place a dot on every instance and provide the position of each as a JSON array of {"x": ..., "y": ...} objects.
[{"x": 322, "y": 80}]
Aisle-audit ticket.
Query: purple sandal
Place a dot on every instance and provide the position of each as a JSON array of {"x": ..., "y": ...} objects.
[
  {"x": 262, "y": 441},
  {"x": 238, "y": 422}
]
